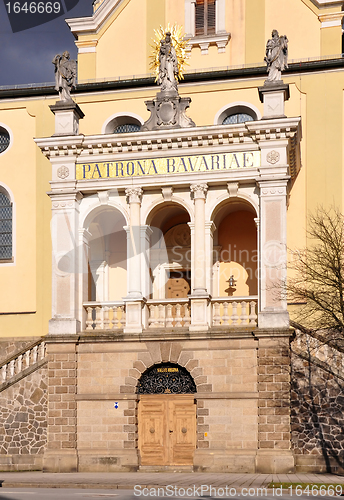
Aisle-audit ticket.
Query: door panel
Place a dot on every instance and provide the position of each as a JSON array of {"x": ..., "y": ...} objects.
[{"x": 167, "y": 430}]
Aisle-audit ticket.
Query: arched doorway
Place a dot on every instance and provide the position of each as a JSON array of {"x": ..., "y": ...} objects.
[{"x": 167, "y": 416}]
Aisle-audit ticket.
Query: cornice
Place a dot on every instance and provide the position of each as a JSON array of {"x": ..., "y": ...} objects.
[
  {"x": 84, "y": 25},
  {"x": 195, "y": 140}
]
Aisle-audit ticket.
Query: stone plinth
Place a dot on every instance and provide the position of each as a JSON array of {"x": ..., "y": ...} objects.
[
  {"x": 273, "y": 95},
  {"x": 67, "y": 116},
  {"x": 168, "y": 111}
]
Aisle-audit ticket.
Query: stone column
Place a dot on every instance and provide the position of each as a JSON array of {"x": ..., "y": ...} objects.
[
  {"x": 134, "y": 299},
  {"x": 66, "y": 263},
  {"x": 209, "y": 250},
  {"x": 61, "y": 451},
  {"x": 199, "y": 296},
  {"x": 84, "y": 249},
  {"x": 273, "y": 254},
  {"x": 146, "y": 232},
  {"x": 274, "y": 433}
]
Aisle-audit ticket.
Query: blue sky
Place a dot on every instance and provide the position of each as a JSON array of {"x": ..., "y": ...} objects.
[{"x": 26, "y": 56}]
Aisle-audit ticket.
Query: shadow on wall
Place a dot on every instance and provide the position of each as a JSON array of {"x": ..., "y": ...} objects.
[{"x": 317, "y": 410}]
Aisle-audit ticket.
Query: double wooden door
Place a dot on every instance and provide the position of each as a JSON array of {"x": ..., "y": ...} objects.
[{"x": 167, "y": 429}]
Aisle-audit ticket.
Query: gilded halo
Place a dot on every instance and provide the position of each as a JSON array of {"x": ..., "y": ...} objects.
[{"x": 179, "y": 43}]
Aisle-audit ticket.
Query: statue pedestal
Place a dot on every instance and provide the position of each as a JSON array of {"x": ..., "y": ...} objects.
[
  {"x": 273, "y": 95},
  {"x": 67, "y": 116},
  {"x": 168, "y": 111}
]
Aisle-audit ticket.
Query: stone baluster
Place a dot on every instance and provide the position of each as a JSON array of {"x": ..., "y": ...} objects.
[
  {"x": 243, "y": 315},
  {"x": 3, "y": 373},
  {"x": 34, "y": 354},
  {"x": 225, "y": 315},
  {"x": 42, "y": 350},
  {"x": 27, "y": 359},
  {"x": 178, "y": 319},
  {"x": 161, "y": 317},
  {"x": 186, "y": 318},
  {"x": 253, "y": 315},
  {"x": 89, "y": 320},
  {"x": 216, "y": 314},
  {"x": 98, "y": 320},
  {"x": 235, "y": 317},
  {"x": 106, "y": 318},
  {"x": 151, "y": 320},
  {"x": 169, "y": 317},
  {"x": 123, "y": 317},
  {"x": 11, "y": 368},
  {"x": 19, "y": 363}
]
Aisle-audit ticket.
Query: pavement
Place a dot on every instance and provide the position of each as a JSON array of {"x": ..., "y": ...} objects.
[{"x": 128, "y": 480}]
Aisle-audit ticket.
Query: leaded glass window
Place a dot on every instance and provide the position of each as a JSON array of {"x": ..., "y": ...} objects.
[
  {"x": 237, "y": 118},
  {"x": 4, "y": 139},
  {"x": 127, "y": 127},
  {"x": 205, "y": 12},
  {"x": 5, "y": 227}
]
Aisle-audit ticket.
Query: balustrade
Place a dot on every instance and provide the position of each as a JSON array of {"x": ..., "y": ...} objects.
[
  {"x": 234, "y": 311},
  {"x": 22, "y": 361},
  {"x": 168, "y": 313},
  {"x": 105, "y": 315}
]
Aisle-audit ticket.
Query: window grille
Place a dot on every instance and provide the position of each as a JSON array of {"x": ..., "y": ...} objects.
[
  {"x": 127, "y": 127},
  {"x": 5, "y": 227},
  {"x": 237, "y": 118},
  {"x": 205, "y": 17},
  {"x": 4, "y": 139}
]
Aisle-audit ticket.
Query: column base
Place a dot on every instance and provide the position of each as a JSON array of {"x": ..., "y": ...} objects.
[
  {"x": 133, "y": 309},
  {"x": 273, "y": 319},
  {"x": 199, "y": 312},
  {"x": 60, "y": 461},
  {"x": 62, "y": 326},
  {"x": 275, "y": 462}
]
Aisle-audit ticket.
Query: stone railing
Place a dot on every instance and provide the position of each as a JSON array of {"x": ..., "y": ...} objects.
[
  {"x": 169, "y": 313},
  {"x": 234, "y": 311},
  {"x": 105, "y": 315},
  {"x": 22, "y": 361}
]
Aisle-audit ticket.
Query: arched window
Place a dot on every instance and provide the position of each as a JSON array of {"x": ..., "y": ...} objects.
[
  {"x": 205, "y": 17},
  {"x": 5, "y": 227},
  {"x": 126, "y": 128},
  {"x": 122, "y": 124},
  {"x": 237, "y": 118},
  {"x": 237, "y": 112},
  {"x": 4, "y": 139}
]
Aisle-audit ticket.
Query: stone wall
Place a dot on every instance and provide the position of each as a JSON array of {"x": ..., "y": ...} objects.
[
  {"x": 10, "y": 347},
  {"x": 317, "y": 414},
  {"x": 23, "y": 423}
]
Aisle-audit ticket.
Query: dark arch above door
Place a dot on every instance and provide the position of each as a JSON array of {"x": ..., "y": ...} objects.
[{"x": 166, "y": 378}]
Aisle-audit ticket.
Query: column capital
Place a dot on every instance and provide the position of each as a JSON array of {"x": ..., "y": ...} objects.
[
  {"x": 134, "y": 194},
  {"x": 199, "y": 190}
]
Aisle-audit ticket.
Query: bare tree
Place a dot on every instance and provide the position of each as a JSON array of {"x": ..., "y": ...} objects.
[{"x": 317, "y": 284}]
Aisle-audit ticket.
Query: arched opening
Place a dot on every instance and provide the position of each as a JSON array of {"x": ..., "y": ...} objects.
[
  {"x": 122, "y": 124},
  {"x": 166, "y": 416},
  {"x": 170, "y": 263},
  {"x": 6, "y": 226},
  {"x": 235, "y": 250},
  {"x": 107, "y": 257},
  {"x": 235, "y": 265},
  {"x": 236, "y": 112},
  {"x": 166, "y": 378}
]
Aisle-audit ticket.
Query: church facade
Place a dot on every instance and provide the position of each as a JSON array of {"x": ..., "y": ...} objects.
[{"x": 144, "y": 323}]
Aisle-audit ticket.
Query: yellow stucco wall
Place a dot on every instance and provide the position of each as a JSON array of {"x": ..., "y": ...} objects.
[{"x": 317, "y": 97}]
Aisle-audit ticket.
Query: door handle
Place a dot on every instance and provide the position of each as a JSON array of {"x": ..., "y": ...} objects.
[{"x": 171, "y": 431}]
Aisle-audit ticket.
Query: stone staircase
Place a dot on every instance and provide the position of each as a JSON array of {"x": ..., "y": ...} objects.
[{"x": 22, "y": 364}]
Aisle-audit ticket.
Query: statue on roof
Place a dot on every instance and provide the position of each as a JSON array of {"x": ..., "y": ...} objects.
[
  {"x": 276, "y": 56},
  {"x": 65, "y": 75},
  {"x": 168, "y": 64}
]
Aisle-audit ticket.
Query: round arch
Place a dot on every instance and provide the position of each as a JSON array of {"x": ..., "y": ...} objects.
[
  {"x": 166, "y": 378},
  {"x": 241, "y": 199},
  {"x": 237, "y": 107},
  {"x": 95, "y": 209},
  {"x": 7, "y": 129},
  {"x": 120, "y": 119},
  {"x": 153, "y": 210}
]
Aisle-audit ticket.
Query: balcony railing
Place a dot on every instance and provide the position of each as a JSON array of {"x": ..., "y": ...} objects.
[
  {"x": 234, "y": 312},
  {"x": 169, "y": 313},
  {"x": 105, "y": 315}
]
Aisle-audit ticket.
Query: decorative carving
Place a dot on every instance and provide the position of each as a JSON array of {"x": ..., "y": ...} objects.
[
  {"x": 178, "y": 236},
  {"x": 134, "y": 194},
  {"x": 63, "y": 172},
  {"x": 273, "y": 157},
  {"x": 151, "y": 430},
  {"x": 233, "y": 189},
  {"x": 199, "y": 190},
  {"x": 167, "y": 193},
  {"x": 184, "y": 430},
  {"x": 276, "y": 56},
  {"x": 166, "y": 378}
]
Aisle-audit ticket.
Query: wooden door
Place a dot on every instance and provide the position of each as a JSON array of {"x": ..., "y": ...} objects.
[
  {"x": 177, "y": 286},
  {"x": 167, "y": 429}
]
